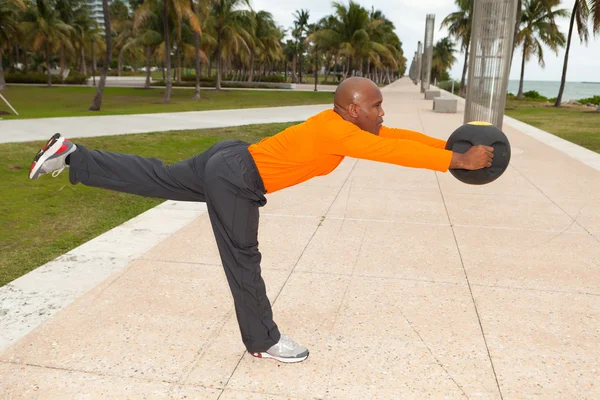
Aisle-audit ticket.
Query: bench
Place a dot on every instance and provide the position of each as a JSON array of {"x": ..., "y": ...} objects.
[{"x": 444, "y": 105}]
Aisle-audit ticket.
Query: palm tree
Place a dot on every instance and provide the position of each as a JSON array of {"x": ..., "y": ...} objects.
[
  {"x": 46, "y": 30},
  {"x": 9, "y": 24},
  {"x": 175, "y": 9},
  {"x": 385, "y": 49},
  {"x": 459, "y": 26},
  {"x": 232, "y": 27},
  {"x": 595, "y": 11},
  {"x": 201, "y": 10},
  {"x": 68, "y": 12},
  {"x": 350, "y": 32},
  {"x": 579, "y": 16},
  {"x": 122, "y": 25},
  {"x": 147, "y": 27},
  {"x": 442, "y": 58},
  {"x": 97, "y": 102},
  {"x": 85, "y": 28},
  {"x": 300, "y": 28},
  {"x": 539, "y": 26},
  {"x": 266, "y": 45}
]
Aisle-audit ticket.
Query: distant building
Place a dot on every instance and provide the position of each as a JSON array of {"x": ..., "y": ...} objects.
[{"x": 97, "y": 13}]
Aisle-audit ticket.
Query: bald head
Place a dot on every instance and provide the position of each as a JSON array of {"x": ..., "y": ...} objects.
[
  {"x": 351, "y": 91},
  {"x": 358, "y": 100}
]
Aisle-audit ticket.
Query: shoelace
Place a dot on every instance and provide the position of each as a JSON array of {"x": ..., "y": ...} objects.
[
  {"x": 57, "y": 172},
  {"x": 286, "y": 342}
]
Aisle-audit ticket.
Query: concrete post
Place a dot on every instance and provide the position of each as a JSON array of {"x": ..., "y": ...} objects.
[
  {"x": 489, "y": 61},
  {"x": 428, "y": 52}
]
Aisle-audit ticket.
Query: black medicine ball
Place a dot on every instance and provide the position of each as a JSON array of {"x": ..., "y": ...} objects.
[{"x": 480, "y": 133}]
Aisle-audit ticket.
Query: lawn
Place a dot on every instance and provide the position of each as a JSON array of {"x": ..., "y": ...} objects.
[
  {"x": 49, "y": 216},
  {"x": 576, "y": 124},
  {"x": 46, "y": 102}
]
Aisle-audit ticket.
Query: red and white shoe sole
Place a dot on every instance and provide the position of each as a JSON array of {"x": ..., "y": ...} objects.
[
  {"x": 49, "y": 152},
  {"x": 280, "y": 359}
]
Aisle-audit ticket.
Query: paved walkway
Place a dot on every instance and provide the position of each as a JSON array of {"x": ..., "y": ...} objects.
[
  {"x": 403, "y": 283},
  {"x": 26, "y": 130}
]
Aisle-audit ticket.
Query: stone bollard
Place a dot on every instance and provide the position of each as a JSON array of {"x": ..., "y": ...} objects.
[
  {"x": 430, "y": 94},
  {"x": 444, "y": 105}
]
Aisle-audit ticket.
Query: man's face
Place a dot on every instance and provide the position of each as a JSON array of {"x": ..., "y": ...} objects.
[{"x": 370, "y": 110}]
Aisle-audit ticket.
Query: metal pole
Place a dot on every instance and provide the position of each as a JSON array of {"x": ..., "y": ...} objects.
[{"x": 8, "y": 104}]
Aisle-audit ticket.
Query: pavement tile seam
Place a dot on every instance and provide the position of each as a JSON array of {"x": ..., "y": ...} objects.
[
  {"x": 387, "y": 279},
  {"x": 535, "y": 290},
  {"x": 185, "y": 374},
  {"x": 474, "y": 303},
  {"x": 83, "y": 371},
  {"x": 574, "y": 219}
]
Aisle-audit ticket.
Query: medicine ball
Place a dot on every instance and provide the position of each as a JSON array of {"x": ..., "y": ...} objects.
[{"x": 480, "y": 133}]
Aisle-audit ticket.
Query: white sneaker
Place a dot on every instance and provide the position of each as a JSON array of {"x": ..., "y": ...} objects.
[
  {"x": 286, "y": 350},
  {"x": 51, "y": 157}
]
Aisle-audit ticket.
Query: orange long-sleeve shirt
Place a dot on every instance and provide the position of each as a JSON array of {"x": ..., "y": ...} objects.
[{"x": 316, "y": 147}]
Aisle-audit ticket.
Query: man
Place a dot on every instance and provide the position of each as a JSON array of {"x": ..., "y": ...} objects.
[{"x": 232, "y": 177}]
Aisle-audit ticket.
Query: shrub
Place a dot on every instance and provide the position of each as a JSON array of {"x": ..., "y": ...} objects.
[
  {"x": 594, "y": 100},
  {"x": 447, "y": 85},
  {"x": 74, "y": 78},
  {"x": 533, "y": 94}
]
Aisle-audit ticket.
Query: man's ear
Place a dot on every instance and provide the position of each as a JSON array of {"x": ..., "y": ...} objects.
[{"x": 353, "y": 110}]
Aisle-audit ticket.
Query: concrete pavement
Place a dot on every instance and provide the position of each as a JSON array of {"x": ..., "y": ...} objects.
[
  {"x": 26, "y": 130},
  {"x": 403, "y": 283}
]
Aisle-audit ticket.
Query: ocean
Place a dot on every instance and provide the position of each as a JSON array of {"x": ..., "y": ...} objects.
[{"x": 573, "y": 90}]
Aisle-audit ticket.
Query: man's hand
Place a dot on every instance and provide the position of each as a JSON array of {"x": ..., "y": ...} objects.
[{"x": 476, "y": 157}]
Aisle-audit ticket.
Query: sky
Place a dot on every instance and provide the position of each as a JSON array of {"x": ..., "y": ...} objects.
[{"x": 409, "y": 18}]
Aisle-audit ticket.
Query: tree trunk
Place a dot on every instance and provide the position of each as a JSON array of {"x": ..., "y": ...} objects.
[
  {"x": 26, "y": 61},
  {"x": 294, "y": 76},
  {"x": 178, "y": 64},
  {"x": 148, "y": 74},
  {"x": 169, "y": 83},
  {"x": 11, "y": 64},
  {"x": 347, "y": 67},
  {"x": 463, "y": 90},
  {"x": 62, "y": 63},
  {"x": 299, "y": 66},
  {"x": 97, "y": 103},
  {"x": 218, "y": 86},
  {"x": 361, "y": 66},
  {"x": 17, "y": 54},
  {"x": 520, "y": 94},
  {"x": 2, "y": 81},
  {"x": 93, "y": 64},
  {"x": 564, "y": 72},
  {"x": 48, "y": 64},
  {"x": 83, "y": 66},
  {"x": 251, "y": 67},
  {"x": 120, "y": 61},
  {"x": 197, "y": 44}
]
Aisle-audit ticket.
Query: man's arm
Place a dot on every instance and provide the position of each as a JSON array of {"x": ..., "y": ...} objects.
[
  {"x": 395, "y": 133},
  {"x": 346, "y": 139}
]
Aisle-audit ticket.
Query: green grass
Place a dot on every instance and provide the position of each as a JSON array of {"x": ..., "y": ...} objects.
[
  {"x": 45, "y": 218},
  {"x": 579, "y": 125},
  {"x": 46, "y": 102}
]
